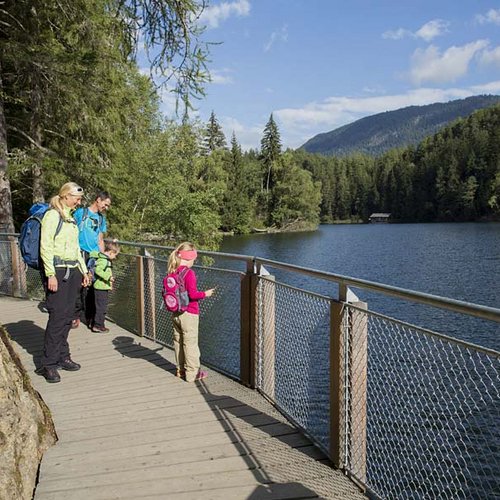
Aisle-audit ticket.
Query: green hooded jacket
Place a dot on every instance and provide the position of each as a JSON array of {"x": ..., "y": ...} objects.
[{"x": 103, "y": 271}]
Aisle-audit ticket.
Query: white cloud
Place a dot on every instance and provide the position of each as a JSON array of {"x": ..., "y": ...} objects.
[
  {"x": 492, "y": 16},
  {"x": 427, "y": 32},
  {"x": 487, "y": 88},
  {"x": 168, "y": 102},
  {"x": 432, "y": 29},
  {"x": 212, "y": 16},
  {"x": 248, "y": 137},
  {"x": 397, "y": 34},
  {"x": 281, "y": 35},
  {"x": 490, "y": 57},
  {"x": 429, "y": 65},
  {"x": 221, "y": 77}
]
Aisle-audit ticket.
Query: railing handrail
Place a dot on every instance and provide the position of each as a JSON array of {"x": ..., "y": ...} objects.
[{"x": 476, "y": 310}]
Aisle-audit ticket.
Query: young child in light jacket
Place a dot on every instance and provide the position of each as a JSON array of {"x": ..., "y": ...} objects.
[{"x": 103, "y": 283}]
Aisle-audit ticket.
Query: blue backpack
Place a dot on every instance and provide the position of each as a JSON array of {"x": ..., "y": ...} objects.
[
  {"x": 91, "y": 265},
  {"x": 29, "y": 238}
]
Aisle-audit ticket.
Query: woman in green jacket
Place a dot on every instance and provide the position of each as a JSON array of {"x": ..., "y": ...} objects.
[{"x": 65, "y": 272}]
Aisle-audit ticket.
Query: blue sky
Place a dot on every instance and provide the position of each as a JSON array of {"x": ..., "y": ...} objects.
[{"x": 320, "y": 64}]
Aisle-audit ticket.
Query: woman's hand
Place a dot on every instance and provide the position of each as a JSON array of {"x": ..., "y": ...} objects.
[
  {"x": 52, "y": 283},
  {"x": 210, "y": 292},
  {"x": 87, "y": 280}
]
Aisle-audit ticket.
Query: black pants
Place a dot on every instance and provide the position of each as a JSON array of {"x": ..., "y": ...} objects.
[
  {"x": 101, "y": 306},
  {"x": 84, "y": 304},
  {"x": 61, "y": 306}
]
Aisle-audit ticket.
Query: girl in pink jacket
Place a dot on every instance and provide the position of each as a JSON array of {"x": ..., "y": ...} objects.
[{"x": 187, "y": 352}]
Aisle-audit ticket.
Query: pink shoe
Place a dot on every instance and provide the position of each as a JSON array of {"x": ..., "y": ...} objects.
[{"x": 201, "y": 375}]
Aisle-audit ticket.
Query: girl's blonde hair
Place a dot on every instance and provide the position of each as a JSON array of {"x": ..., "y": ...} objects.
[
  {"x": 70, "y": 188},
  {"x": 174, "y": 261}
]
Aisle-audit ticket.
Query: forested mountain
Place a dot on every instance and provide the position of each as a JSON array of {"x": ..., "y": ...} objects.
[
  {"x": 451, "y": 176},
  {"x": 376, "y": 134}
]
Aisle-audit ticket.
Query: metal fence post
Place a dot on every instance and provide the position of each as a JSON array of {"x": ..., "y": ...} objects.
[
  {"x": 140, "y": 295},
  {"x": 248, "y": 301}
]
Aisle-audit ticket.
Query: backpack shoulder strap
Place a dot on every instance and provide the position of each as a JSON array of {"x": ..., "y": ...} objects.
[
  {"x": 85, "y": 214},
  {"x": 181, "y": 276},
  {"x": 183, "y": 273},
  {"x": 59, "y": 226},
  {"x": 59, "y": 223}
]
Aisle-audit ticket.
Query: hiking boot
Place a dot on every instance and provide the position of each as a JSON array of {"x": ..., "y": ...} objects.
[
  {"x": 50, "y": 374},
  {"x": 69, "y": 365},
  {"x": 75, "y": 323},
  {"x": 99, "y": 329}
]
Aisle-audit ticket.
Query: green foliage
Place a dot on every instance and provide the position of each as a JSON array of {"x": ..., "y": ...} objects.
[
  {"x": 296, "y": 197},
  {"x": 214, "y": 136},
  {"x": 78, "y": 108},
  {"x": 453, "y": 176}
]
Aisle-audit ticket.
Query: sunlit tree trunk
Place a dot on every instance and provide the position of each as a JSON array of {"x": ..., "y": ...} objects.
[{"x": 6, "y": 221}]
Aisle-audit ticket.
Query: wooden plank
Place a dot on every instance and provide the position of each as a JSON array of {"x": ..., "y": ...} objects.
[{"x": 129, "y": 429}]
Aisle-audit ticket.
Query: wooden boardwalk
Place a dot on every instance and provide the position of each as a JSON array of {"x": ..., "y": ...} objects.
[{"x": 128, "y": 428}]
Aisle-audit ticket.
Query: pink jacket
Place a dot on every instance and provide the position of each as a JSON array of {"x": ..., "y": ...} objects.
[{"x": 194, "y": 294}]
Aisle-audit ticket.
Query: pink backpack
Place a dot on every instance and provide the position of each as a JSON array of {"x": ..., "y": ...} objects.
[{"x": 175, "y": 296}]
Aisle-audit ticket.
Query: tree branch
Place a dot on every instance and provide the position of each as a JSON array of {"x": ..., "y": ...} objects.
[{"x": 30, "y": 140}]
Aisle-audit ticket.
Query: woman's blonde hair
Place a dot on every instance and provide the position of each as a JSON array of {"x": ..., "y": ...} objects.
[
  {"x": 174, "y": 261},
  {"x": 70, "y": 188}
]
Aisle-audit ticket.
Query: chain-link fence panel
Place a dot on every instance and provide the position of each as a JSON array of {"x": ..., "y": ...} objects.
[
  {"x": 5, "y": 267},
  {"x": 293, "y": 354},
  {"x": 16, "y": 278},
  {"x": 428, "y": 426},
  {"x": 219, "y": 331},
  {"x": 419, "y": 412},
  {"x": 123, "y": 299}
]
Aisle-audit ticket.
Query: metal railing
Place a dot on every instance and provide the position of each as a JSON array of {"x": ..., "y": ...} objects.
[{"x": 405, "y": 411}]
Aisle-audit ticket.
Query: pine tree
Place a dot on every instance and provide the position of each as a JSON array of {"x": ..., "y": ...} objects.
[
  {"x": 270, "y": 146},
  {"x": 214, "y": 136}
]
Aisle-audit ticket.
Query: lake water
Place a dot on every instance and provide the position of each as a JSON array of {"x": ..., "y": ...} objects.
[
  {"x": 432, "y": 413},
  {"x": 455, "y": 260}
]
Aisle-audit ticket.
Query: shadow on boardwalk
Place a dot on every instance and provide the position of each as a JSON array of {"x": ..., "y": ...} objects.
[
  {"x": 245, "y": 426},
  {"x": 29, "y": 336},
  {"x": 128, "y": 433}
]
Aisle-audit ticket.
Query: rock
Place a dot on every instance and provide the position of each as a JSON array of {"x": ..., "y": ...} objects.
[{"x": 26, "y": 426}]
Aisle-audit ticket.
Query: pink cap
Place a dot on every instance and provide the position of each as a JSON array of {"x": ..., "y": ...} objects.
[{"x": 187, "y": 254}]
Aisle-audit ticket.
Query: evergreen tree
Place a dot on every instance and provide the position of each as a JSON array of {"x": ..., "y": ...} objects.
[
  {"x": 214, "y": 136},
  {"x": 296, "y": 197},
  {"x": 270, "y": 146},
  {"x": 52, "y": 63}
]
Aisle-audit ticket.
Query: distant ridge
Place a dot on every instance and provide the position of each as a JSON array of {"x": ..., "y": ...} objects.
[{"x": 375, "y": 134}]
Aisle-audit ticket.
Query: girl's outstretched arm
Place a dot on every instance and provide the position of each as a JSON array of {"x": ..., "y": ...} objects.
[{"x": 191, "y": 286}]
